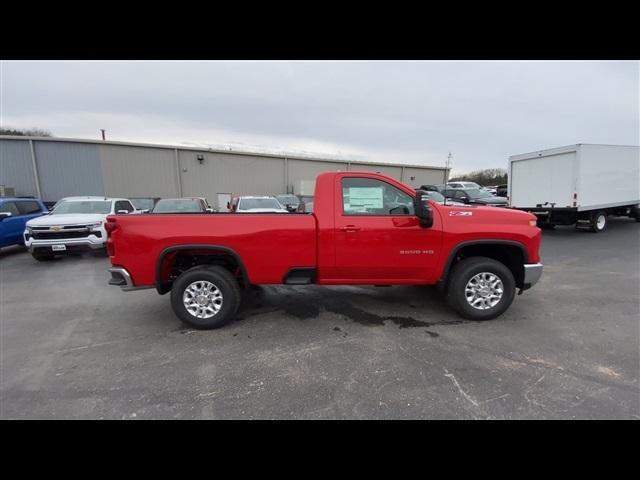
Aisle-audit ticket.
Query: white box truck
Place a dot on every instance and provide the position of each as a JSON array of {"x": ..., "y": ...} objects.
[{"x": 577, "y": 185}]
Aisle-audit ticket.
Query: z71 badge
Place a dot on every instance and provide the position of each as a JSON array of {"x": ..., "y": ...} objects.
[{"x": 456, "y": 213}]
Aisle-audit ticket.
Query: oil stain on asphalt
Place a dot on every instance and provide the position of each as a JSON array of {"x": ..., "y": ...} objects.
[{"x": 305, "y": 309}]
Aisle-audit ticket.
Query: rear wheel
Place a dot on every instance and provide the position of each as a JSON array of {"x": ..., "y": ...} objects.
[
  {"x": 205, "y": 297},
  {"x": 599, "y": 221},
  {"x": 480, "y": 288}
]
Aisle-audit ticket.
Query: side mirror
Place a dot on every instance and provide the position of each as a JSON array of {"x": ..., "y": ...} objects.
[
  {"x": 122, "y": 212},
  {"x": 422, "y": 209},
  {"x": 228, "y": 205},
  {"x": 465, "y": 199},
  {"x": 4, "y": 215},
  {"x": 209, "y": 210}
]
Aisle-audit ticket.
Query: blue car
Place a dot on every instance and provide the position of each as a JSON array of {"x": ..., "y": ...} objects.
[{"x": 14, "y": 214}]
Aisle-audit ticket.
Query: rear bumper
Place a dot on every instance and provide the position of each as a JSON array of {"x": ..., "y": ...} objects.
[
  {"x": 120, "y": 277},
  {"x": 532, "y": 273}
]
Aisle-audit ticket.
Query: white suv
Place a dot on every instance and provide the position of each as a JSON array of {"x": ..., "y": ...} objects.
[{"x": 75, "y": 224}]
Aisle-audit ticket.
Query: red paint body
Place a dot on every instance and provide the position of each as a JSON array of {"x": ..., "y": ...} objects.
[{"x": 344, "y": 249}]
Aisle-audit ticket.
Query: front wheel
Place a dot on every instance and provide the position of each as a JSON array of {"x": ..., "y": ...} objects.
[
  {"x": 480, "y": 288},
  {"x": 205, "y": 297}
]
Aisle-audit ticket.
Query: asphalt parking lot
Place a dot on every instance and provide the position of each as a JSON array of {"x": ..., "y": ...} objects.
[{"x": 74, "y": 347}]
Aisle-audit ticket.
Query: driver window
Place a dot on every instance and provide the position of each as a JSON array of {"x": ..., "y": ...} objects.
[{"x": 366, "y": 196}]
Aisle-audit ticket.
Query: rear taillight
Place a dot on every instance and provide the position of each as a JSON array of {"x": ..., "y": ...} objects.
[{"x": 110, "y": 225}]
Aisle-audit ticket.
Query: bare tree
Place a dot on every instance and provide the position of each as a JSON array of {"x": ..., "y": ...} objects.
[
  {"x": 488, "y": 176},
  {"x": 25, "y": 132}
]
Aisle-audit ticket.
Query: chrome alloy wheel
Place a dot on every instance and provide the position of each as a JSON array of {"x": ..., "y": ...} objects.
[
  {"x": 484, "y": 290},
  {"x": 601, "y": 220},
  {"x": 202, "y": 299}
]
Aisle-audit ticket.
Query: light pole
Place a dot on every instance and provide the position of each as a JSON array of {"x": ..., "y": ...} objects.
[
  {"x": 103, "y": 137},
  {"x": 448, "y": 167}
]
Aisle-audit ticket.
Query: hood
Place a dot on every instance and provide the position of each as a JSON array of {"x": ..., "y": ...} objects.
[
  {"x": 66, "y": 219},
  {"x": 470, "y": 215}
]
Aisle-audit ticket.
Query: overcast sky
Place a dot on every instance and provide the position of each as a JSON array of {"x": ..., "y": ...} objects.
[{"x": 401, "y": 112}]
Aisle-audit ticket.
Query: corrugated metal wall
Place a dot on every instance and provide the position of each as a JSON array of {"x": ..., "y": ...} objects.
[
  {"x": 309, "y": 170},
  {"x": 80, "y": 168},
  {"x": 394, "y": 172},
  {"x": 16, "y": 167},
  {"x": 229, "y": 173},
  {"x": 423, "y": 176},
  {"x": 66, "y": 169},
  {"x": 138, "y": 171}
]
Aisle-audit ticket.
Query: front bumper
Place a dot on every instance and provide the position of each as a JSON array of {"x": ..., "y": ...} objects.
[
  {"x": 90, "y": 242},
  {"x": 532, "y": 273}
]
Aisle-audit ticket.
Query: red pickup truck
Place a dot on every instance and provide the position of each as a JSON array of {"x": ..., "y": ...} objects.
[{"x": 365, "y": 229}]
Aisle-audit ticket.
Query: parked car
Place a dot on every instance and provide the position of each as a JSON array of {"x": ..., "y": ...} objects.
[
  {"x": 475, "y": 196},
  {"x": 144, "y": 204},
  {"x": 14, "y": 214},
  {"x": 289, "y": 201},
  {"x": 256, "y": 204},
  {"x": 441, "y": 199},
  {"x": 451, "y": 185},
  {"x": 182, "y": 205},
  {"x": 434, "y": 188},
  {"x": 502, "y": 190},
  {"x": 356, "y": 236},
  {"x": 76, "y": 224},
  {"x": 305, "y": 207}
]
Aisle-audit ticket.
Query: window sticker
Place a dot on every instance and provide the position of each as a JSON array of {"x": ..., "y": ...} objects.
[{"x": 365, "y": 197}]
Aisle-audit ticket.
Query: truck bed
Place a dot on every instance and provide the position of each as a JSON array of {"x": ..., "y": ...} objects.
[{"x": 251, "y": 236}]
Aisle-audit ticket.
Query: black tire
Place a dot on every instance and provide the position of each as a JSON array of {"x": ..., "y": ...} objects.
[
  {"x": 463, "y": 272},
  {"x": 43, "y": 257},
  {"x": 223, "y": 280},
  {"x": 599, "y": 221}
]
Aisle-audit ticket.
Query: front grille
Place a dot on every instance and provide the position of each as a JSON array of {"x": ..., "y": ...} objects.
[{"x": 58, "y": 235}]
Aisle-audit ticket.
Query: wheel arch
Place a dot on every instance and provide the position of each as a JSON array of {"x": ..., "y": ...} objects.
[
  {"x": 510, "y": 252},
  {"x": 163, "y": 287}
]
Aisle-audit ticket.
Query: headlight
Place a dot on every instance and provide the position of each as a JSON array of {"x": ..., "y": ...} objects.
[{"x": 533, "y": 223}]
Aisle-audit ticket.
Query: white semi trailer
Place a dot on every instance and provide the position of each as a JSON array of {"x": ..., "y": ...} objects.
[{"x": 577, "y": 185}]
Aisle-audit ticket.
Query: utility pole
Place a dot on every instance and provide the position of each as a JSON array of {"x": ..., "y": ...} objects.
[
  {"x": 103, "y": 137},
  {"x": 448, "y": 167}
]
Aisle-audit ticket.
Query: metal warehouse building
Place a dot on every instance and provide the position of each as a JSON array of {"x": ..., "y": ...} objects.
[{"x": 52, "y": 168}]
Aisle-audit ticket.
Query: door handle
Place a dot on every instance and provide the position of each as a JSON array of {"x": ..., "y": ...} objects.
[{"x": 349, "y": 228}]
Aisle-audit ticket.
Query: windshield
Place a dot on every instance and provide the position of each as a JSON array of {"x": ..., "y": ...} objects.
[
  {"x": 476, "y": 193},
  {"x": 288, "y": 199},
  {"x": 177, "y": 206},
  {"x": 142, "y": 203},
  {"x": 251, "y": 203},
  {"x": 88, "y": 206}
]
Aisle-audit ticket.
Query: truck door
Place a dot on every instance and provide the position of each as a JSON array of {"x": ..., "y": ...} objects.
[{"x": 378, "y": 237}]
